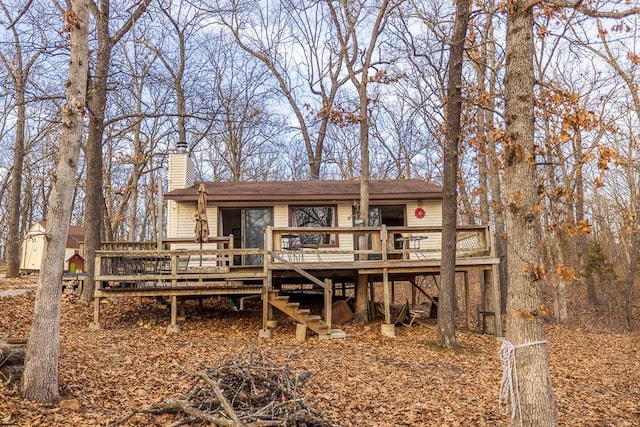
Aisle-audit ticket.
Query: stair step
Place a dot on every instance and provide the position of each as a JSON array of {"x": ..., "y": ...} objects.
[
  {"x": 333, "y": 334},
  {"x": 303, "y": 315}
]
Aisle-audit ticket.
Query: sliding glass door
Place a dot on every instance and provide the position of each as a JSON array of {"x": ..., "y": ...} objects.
[{"x": 254, "y": 222}]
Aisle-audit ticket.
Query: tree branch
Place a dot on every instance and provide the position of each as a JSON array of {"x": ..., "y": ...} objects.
[
  {"x": 20, "y": 14},
  {"x": 577, "y": 5}
]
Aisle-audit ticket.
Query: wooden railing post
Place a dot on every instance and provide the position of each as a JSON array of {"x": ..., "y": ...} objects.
[
  {"x": 328, "y": 301},
  {"x": 95, "y": 325},
  {"x": 388, "y": 329},
  {"x": 384, "y": 238},
  {"x": 267, "y": 259},
  {"x": 174, "y": 269},
  {"x": 98, "y": 269}
]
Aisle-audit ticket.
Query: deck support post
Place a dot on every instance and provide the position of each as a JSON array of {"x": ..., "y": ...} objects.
[
  {"x": 413, "y": 294},
  {"x": 301, "y": 332},
  {"x": 174, "y": 328},
  {"x": 467, "y": 301},
  {"x": 95, "y": 325},
  {"x": 182, "y": 312},
  {"x": 393, "y": 292},
  {"x": 267, "y": 311},
  {"x": 388, "y": 330},
  {"x": 496, "y": 299},
  {"x": 328, "y": 302}
]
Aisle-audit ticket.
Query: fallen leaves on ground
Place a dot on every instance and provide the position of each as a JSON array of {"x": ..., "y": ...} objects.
[{"x": 362, "y": 380}]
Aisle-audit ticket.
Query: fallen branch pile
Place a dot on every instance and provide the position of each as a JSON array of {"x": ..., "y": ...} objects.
[
  {"x": 251, "y": 390},
  {"x": 12, "y": 353}
]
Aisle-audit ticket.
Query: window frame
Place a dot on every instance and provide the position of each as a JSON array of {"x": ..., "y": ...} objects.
[{"x": 331, "y": 237}]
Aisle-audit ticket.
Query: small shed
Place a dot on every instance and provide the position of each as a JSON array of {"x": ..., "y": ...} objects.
[
  {"x": 75, "y": 264},
  {"x": 32, "y": 248}
]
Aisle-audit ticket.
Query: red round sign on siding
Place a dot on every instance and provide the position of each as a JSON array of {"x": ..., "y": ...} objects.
[{"x": 419, "y": 213}]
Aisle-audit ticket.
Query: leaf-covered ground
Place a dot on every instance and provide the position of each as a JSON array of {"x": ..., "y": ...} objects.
[{"x": 363, "y": 380}]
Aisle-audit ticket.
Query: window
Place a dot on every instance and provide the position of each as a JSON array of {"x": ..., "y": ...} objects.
[{"x": 318, "y": 217}]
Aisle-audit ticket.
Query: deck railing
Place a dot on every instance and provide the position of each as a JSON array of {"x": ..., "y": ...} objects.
[
  {"x": 182, "y": 260},
  {"x": 373, "y": 243}
]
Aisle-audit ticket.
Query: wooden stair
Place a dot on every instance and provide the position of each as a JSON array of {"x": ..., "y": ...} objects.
[{"x": 304, "y": 316}]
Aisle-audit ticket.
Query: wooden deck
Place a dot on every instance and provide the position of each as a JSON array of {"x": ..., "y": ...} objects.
[{"x": 181, "y": 269}]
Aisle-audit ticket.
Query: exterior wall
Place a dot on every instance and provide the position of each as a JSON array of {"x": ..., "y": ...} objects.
[
  {"x": 181, "y": 171},
  {"x": 281, "y": 215},
  {"x": 432, "y": 217},
  {"x": 346, "y": 242},
  {"x": 32, "y": 250},
  {"x": 182, "y": 224},
  {"x": 181, "y": 174}
]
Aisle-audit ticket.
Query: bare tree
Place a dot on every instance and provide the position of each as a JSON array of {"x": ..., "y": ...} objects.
[
  {"x": 351, "y": 21},
  {"x": 446, "y": 300},
  {"x": 18, "y": 67},
  {"x": 532, "y": 395},
  {"x": 247, "y": 134},
  {"x": 310, "y": 82},
  {"x": 40, "y": 377},
  {"x": 97, "y": 100}
]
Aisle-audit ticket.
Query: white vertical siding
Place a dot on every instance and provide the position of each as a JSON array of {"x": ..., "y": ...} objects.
[
  {"x": 32, "y": 248},
  {"x": 432, "y": 217},
  {"x": 172, "y": 219},
  {"x": 181, "y": 223},
  {"x": 281, "y": 215},
  {"x": 345, "y": 212},
  {"x": 181, "y": 174},
  {"x": 181, "y": 171},
  {"x": 190, "y": 173}
]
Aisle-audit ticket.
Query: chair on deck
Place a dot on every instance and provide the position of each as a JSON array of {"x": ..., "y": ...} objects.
[
  {"x": 312, "y": 242},
  {"x": 291, "y": 246}
]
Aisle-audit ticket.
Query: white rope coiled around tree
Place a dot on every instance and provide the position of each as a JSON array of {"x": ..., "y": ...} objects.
[{"x": 509, "y": 385}]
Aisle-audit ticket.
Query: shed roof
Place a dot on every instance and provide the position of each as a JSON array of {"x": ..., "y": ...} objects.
[
  {"x": 317, "y": 190},
  {"x": 74, "y": 238}
]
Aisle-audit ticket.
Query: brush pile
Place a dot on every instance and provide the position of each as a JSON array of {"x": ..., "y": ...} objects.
[{"x": 251, "y": 390}]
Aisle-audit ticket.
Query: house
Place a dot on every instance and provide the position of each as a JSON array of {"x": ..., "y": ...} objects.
[
  {"x": 279, "y": 240},
  {"x": 32, "y": 248},
  {"x": 246, "y": 209}
]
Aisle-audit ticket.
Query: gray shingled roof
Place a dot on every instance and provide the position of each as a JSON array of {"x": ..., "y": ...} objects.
[{"x": 405, "y": 189}]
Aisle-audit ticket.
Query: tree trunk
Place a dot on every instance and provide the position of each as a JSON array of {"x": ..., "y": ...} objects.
[
  {"x": 97, "y": 99},
  {"x": 495, "y": 167},
  {"x": 582, "y": 243},
  {"x": 362, "y": 303},
  {"x": 488, "y": 168},
  {"x": 630, "y": 280},
  {"x": 532, "y": 398},
  {"x": 447, "y": 294},
  {"x": 348, "y": 33},
  {"x": 40, "y": 377},
  {"x": 15, "y": 195},
  {"x": 361, "y": 314}
]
